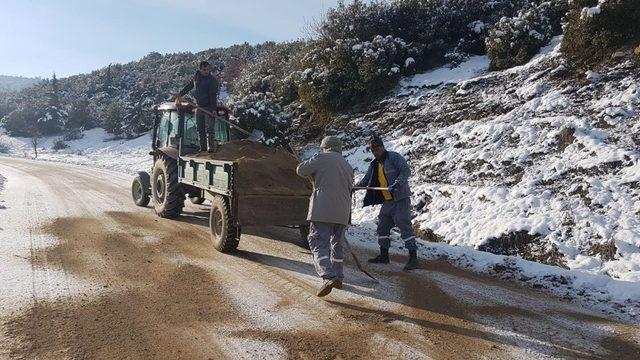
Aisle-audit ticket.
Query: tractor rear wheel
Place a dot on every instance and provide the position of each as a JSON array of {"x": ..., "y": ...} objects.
[
  {"x": 140, "y": 189},
  {"x": 168, "y": 196},
  {"x": 224, "y": 233}
]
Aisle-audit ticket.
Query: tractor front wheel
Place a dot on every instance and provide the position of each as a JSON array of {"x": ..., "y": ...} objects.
[
  {"x": 168, "y": 196},
  {"x": 224, "y": 233},
  {"x": 140, "y": 189}
]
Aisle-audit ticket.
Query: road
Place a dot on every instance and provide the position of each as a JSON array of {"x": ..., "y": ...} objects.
[{"x": 86, "y": 274}]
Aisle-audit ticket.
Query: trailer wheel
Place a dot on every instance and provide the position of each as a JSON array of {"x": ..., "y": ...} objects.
[
  {"x": 140, "y": 189},
  {"x": 224, "y": 234},
  {"x": 196, "y": 200},
  {"x": 304, "y": 236},
  {"x": 168, "y": 196}
]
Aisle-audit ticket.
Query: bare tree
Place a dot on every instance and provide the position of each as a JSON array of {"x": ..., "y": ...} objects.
[{"x": 34, "y": 142}]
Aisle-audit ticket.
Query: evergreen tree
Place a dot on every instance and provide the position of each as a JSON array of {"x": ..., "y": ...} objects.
[
  {"x": 79, "y": 115},
  {"x": 107, "y": 84},
  {"x": 52, "y": 118}
]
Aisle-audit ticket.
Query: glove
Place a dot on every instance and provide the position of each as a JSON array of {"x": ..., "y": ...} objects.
[{"x": 392, "y": 187}]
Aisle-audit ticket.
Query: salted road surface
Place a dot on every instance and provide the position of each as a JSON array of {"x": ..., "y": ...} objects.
[{"x": 86, "y": 274}]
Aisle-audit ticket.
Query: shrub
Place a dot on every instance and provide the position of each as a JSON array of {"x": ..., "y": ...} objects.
[
  {"x": 59, "y": 145},
  {"x": 72, "y": 134},
  {"x": 273, "y": 71},
  {"x": 438, "y": 27},
  {"x": 513, "y": 41},
  {"x": 262, "y": 111},
  {"x": 345, "y": 72},
  {"x": 594, "y": 30},
  {"x": 4, "y": 148}
]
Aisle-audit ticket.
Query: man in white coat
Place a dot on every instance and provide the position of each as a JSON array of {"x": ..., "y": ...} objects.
[{"x": 329, "y": 210}]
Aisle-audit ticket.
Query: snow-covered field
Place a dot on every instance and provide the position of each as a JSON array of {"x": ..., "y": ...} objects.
[
  {"x": 96, "y": 149},
  {"x": 494, "y": 168}
]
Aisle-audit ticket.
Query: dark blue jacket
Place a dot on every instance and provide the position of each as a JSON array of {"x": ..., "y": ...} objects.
[
  {"x": 396, "y": 171},
  {"x": 206, "y": 90}
]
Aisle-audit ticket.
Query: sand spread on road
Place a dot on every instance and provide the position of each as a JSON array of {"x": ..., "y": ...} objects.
[{"x": 262, "y": 170}]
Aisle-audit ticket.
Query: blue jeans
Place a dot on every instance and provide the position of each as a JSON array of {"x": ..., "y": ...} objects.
[
  {"x": 325, "y": 242},
  {"x": 396, "y": 213}
]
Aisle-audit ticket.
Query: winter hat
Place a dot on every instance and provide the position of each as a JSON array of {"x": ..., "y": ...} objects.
[
  {"x": 375, "y": 142},
  {"x": 331, "y": 143}
]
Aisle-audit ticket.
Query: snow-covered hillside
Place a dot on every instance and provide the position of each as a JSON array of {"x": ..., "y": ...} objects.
[{"x": 525, "y": 162}]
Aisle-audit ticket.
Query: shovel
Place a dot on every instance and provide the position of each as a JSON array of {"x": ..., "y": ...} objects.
[
  {"x": 353, "y": 255},
  {"x": 355, "y": 259},
  {"x": 256, "y": 135},
  {"x": 370, "y": 188}
]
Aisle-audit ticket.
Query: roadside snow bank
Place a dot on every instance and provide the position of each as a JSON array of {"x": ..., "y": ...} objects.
[
  {"x": 96, "y": 149},
  {"x": 601, "y": 292}
]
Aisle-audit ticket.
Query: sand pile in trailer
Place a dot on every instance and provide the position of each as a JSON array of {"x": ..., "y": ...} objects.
[{"x": 262, "y": 170}]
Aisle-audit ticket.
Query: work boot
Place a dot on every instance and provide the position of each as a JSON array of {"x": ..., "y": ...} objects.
[
  {"x": 328, "y": 285},
  {"x": 338, "y": 284},
  {"x": 412, "y": 264},
  {"x": 383, "y": 258}
]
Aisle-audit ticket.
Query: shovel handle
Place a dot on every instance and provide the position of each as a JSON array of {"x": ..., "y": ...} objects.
[
  {"x": 223, "y": 120},
  {"x": 370, "y": 188}
]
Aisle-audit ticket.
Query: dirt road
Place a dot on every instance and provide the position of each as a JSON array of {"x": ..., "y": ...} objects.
[{"x": 85, "y": 274}]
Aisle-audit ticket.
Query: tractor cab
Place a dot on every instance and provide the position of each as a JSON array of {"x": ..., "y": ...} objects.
[{"x": 175, "y": 130}]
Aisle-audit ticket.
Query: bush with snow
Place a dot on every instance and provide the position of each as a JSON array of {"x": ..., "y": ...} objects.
[
  {"x": 263, "y": 112},
  {"x": 274, "y": 70},
  {"x": 346, "y": 72},
  {"x": 442, "y": 28},
  {"x": 60, "y": 145},
  {"x": 596, "y": 28},
  {"x": 513, "y": 41}
]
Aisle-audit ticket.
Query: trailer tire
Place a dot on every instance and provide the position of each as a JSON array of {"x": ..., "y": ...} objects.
[
  {"x": 224, "y": 233},
  {"x": 304, "y": 236},
  {"x": 167, "y": 193},
  {"x": 140, "y": 189},
  {"x": 196, "y": 200}
]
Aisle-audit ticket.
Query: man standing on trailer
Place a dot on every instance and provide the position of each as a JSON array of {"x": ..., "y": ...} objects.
[
  {"x": 206, "y": 95},
  {"x": 390, "y": 170},
  {"x": 329, "y": 210}
]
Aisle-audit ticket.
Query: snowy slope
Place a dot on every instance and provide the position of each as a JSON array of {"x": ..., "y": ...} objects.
[{"x": 524, "y": 162}]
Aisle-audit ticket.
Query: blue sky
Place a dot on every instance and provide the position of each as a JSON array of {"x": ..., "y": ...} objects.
[{"x": 38, "y": 37}]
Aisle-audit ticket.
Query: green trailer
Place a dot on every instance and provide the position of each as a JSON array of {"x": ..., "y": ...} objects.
[{"x": 179, "y": 173}]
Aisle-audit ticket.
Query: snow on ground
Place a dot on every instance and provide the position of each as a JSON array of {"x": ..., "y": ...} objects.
[
  {"x": 96, "y": 148},
  {"x": 474, "y": 66},
  {"x": 2, "y": 181},
  {"x": 519, "y": 151}
]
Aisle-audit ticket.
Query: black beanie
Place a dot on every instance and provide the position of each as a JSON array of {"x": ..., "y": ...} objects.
[{"x": 375, "y": 142}]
